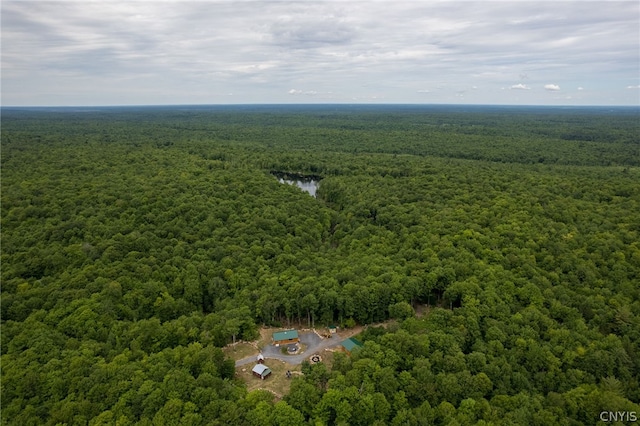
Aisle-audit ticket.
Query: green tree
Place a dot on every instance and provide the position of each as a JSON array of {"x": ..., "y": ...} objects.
[{"x": 401, "y": 311}]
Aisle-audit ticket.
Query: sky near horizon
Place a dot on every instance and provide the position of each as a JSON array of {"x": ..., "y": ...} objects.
[{"x": 59, "y": 53}]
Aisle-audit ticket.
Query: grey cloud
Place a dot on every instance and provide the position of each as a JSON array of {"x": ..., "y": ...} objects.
[
  {"x": 260, "y": 50},
  {"x": 298, "y": 35}
]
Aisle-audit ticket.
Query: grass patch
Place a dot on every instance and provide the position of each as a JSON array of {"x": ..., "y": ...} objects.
[
  {"x": 239, "y": 351},
  {"x": 327, "y": 358},
  {"x": 265, "y": 336},
  {"x": 277, "y": 382}
]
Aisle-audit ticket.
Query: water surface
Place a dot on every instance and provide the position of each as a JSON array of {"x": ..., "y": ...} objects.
[{"x": 308, "y": 185}]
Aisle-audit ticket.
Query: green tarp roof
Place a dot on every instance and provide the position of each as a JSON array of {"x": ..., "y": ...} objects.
[
  {"x": 285, "y": 335},
  {"x": 350, "y": 344}
]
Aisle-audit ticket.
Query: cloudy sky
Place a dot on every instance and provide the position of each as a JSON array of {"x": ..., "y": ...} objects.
[{"x": 231, "y": 52}]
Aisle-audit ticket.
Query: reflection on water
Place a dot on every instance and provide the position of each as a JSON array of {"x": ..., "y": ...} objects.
[{"x": 308, "y": 185}]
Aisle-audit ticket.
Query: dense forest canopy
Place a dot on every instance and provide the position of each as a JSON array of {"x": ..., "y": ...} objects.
[{"x": 136, "y": 242}]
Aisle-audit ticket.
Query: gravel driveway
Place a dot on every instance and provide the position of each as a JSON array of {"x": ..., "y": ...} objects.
[{"x": 313, "y": 342}]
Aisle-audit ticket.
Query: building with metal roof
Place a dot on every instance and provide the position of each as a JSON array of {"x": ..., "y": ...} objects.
[
  {"x": 350, "y": 344},
  {"x": 261, "y": 370},
  {"x": 285, "y": 337}
]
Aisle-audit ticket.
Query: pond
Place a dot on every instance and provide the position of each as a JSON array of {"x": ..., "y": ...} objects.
[{"x": 306, "y": 183}]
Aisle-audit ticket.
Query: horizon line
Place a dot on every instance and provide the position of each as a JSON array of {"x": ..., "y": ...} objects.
[{"x": 320, "y": 104}]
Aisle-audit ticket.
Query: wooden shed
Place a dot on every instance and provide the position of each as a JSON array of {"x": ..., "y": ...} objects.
[
  {"x": 261, "y": 370},
  {"x": 331, "y": 330}
]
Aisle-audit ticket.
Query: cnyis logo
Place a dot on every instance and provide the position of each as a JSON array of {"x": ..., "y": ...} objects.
[{"x": 618, "y": 416}]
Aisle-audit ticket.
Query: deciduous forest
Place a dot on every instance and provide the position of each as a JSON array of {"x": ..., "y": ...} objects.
[{"x": 137, "y": 242}]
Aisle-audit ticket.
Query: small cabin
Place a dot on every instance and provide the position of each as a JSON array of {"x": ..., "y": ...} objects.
[
  {"x": 285, "y": 337},
  {"x": 349, "y": 345},
  {"x": 331, "y": 330},
  {"x": 261, "y": 371},
  {"x": 260, "y": 359}
]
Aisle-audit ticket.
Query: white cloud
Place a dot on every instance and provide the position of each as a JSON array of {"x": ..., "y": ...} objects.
[
  {"x": 580, "y": 88},
  {"x": 552, "y": 87},
  {"x": 633, "y": 87},
  {"x": 520, "y": 86},
  {"x": 424, "y": 91},
  {"x": 302, "y": 92}
]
